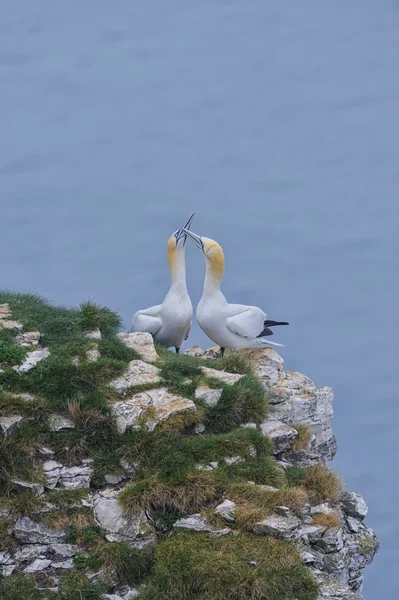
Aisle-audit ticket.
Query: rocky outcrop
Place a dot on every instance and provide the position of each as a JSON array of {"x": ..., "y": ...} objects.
[
  {"x": 160, "y": 403},
  {"x": 137, "y": 374},
  {"x": 333, "y": 541}
]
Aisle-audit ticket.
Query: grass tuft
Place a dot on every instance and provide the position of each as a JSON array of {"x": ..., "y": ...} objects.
[
  {"x": 303, "y": 439},
  {"x": 322, "y": 484},
  {"x": 243, "y": 402},
  {"x": 189, "y": 566},
  {"x": 327, "y": 520}
]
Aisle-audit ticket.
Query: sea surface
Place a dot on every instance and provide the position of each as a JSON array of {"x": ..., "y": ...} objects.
[{"x": 277, "y": 122}]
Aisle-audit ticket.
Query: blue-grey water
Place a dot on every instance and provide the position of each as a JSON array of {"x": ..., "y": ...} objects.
[{"x": 277, "y": 122}]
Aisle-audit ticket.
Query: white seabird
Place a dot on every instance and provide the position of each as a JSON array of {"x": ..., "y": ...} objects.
[
  {"x": 228, "y": 325},
  {"x": 170, "y": 322}
]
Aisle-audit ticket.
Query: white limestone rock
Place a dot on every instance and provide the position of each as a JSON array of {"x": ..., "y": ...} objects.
[
  {"x": 109, "y": 515},
  {"x": 93, "y": 335},
  {"x": 267, "y": 365},
  {"x": 198, "y": 523},
  {"x": 75, "y": 478},
  {"x": 310, "y": 406},
  {"x": 39, "y": 564},
  {"x": 59, "y": 422},
  {"x": 36, "y": 488},
  {"x": 32, "y": 359},
  {"x": 9, "y": 425},
  {"x": 7, "y": 324},
  {"x": 332, "y": 540},
  {"x": 199, "y": 352},
  {"x": 277, "y": 526},
  {"x": 64, "y": 564},
  {"x": 323, "y": 508},
  {"x": 142, "y": 343},
  {"x": 5, "y": 311},
  {"x": 137, "y": 373},
  {"x": 228, "y": 378},
  {"x": 93, "y": 354},
  {"x": 354, "y": 505},
  {"x": 65, "y": 550},
  {"x": 332, "y": 590},
  {"x": 28, "y": 338},
  {"x": 28, "y": 531},
  {"x": 226, "y": 510},
  {"x": 279, "y": 433},
  {"x": 163, "y": 403},
  {"x": 208, "y": 395}
]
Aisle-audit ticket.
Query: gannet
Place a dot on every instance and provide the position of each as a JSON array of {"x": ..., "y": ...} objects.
[
  {"x": 170, "y": 322},
  {"x": 228, "y": 325}
]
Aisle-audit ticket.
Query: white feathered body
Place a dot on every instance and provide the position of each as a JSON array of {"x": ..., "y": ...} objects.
[
  {"x": 230, "y": 325},
  {"x": 170, "y": 322}
]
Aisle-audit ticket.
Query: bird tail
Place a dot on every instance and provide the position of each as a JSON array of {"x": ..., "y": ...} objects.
[{"x": 261, "y": 341}]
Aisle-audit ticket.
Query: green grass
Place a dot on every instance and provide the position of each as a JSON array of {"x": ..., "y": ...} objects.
[
  {"x": 166, "y": 482},
  {"x": 243, "y": 402},
  {"x": 191, "y": 566}
]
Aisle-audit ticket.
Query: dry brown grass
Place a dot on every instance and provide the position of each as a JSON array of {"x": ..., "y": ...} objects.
[
  {"x": 58, "y": 520},
  {"x": 327, "y": 520},
  {"x": 197, "y": 491},
  {"x": 255, "y": 504},
  {"x": 78, "y": 414},
  {"x": 304, "y": 437},
  {"x": 322, "y": 484}
]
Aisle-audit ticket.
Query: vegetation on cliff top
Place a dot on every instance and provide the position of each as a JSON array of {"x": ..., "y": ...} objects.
[{"x": 166, "y": 482}]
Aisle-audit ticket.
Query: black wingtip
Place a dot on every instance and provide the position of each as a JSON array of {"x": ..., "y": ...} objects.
[{"x": 269, "y": 323}]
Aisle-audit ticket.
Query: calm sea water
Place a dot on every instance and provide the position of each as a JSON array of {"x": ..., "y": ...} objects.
[{"x": 277, "y": 122}]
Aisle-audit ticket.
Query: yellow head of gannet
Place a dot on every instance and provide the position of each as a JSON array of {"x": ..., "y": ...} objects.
[{"x": 213, "y": 253}]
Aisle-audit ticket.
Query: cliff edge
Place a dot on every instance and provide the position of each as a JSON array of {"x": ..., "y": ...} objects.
[{"x": 129, "y": 472}]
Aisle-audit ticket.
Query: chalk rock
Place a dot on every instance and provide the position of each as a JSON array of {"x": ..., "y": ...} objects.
[
  {"x": 27, "y": 531},
  {"x": 267, "y": 365},
  {"x": 52, "y": 471},
  {"x": 137, "y": 373},
  {"x": 9, "y": 425},
  {"x": 64, "y": 564},
  {"x": 39, "y": 564},
  {"x": 199, "y": 352},
  {"x": 279, "y": 433},
  {"x": 65, "y": 550},
  {"x": 277, "y": 526},
  {"x": 163, "y": 403},
  {"x": 354, "y": 505},
  {"x": 93, "y": 335},
  {"x": 324, "y": 508},
  {"x": 311, "y": 406},
  {"x": 332, "y": 590},
  {"x": 226, "y": 510},
  {"x": 208, "y": 395},
  {"x": 5, "y": 311},
  {"x": 93, "y": 354},
  {"x": 332, "y": 540},
  {"x": 228, "y": 378},
  {"x": 198, "y": 523},
  {"x": 32, "y": 359},
  {"x": 10, "y": 324},
  {"x": 59, "y": 422},
  {"x": 75, "y": 478},
  {"x": 36, "y": 488},
  {"x": 28, "y": 338},
  {"x": 110, "y": 516},
  {"x": 142, "y": 343}
]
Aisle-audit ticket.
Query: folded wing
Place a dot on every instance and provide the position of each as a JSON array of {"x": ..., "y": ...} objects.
[
  {"x": 147, "y": 320},
  {"x": 245, "y": 321}
]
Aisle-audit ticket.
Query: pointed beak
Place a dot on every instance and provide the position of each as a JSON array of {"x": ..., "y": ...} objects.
[
  {"x": 183, "y": 231},
  {"x": 195, "y": 238}
]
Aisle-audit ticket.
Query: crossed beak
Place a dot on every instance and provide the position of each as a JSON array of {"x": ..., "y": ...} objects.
[
  {"x": 196, "y": 238},
  {"x": 182, "y": 233}
]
